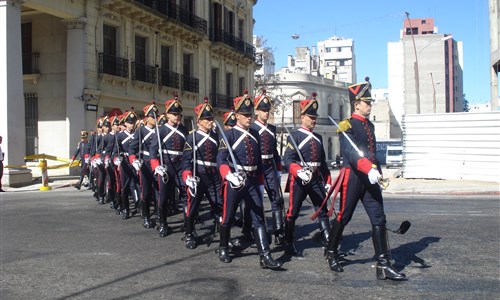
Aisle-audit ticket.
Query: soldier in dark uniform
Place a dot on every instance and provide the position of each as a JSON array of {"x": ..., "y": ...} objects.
[
  {"x": 242, "y": 181},
  {"x": 99, "y": 161},
  {"x": 109, "y": 144},
  {"x": 361, "y": 174},
  {"x": 310, "y": 177},
  {"x": 172, "y": 137},
  {"x": 271, "y": 163},
  {"x": 125, "y": 169},
  {"x": 140, "y": 159},
  {"x": 229, "y": 120},
  {"x": 94, "y": 142},
  {"x": 207, "y": 181},
  {"x": 82, "y": 152}
]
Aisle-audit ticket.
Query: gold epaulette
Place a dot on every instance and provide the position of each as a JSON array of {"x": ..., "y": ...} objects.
[{"x": 344, "y": 125}]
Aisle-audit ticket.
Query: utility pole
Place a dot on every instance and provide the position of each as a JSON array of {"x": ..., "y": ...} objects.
[{"x": 415, "y": 66}]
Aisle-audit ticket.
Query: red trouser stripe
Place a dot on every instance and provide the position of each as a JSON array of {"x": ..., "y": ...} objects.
[
  {"x": 345, "y": 181},
  {"x": 290, "y": 199}
]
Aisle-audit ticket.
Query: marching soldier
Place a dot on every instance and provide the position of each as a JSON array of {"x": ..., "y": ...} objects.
[
  {"x": 271, "y": 163},
  {"x": 98, "y": 159},
  {"x": 361, "y": 173},
  {"x": 166, "y": 155},
  {"x": 125, "y": 169},
  {"x": 140, "y": 159},
  {"x": 239, "y": 162},
  {"x": 82, "y": 151},
  {"x": 199, "y": 165},
  {"x": 229, "y": 120},
  {"x": 109, "y": 144},
  {"x": 309, "y": 174}
]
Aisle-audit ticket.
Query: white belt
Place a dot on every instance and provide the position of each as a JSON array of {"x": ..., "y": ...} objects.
[
  {"x": 312, "y": 164},
  {"x": 246, "y": 168},
  {"x": 206, "y": 163},
  {"x": 172, "y": 152},
  {"x": 267, "y": 156}
]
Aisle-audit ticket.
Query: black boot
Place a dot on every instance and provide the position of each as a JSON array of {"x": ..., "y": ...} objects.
[
  {"x": 225, "y": 232},
  {"x": 189, "y": 238},
  {"x": 279, "y": 236},
  {"x": 147, "y": 223},
  {"x": 164, "y": 229},
  {"x": 331, "y": 250},
  {"x": 383, "y": 255},
  {"x": 117, "y": 202},
  {"x": 247, "y": 225},
  {"x": 266, "y": 260},
  {"x": 324, "y": 228},
  {"x": 289, "y": 235},
  {"x": 125, "y": 206}
]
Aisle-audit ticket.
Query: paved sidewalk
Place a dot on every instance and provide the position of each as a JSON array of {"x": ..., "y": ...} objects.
[{"x": 396, "y": 186}]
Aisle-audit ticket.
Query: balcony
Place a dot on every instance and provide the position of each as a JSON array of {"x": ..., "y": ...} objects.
[
  {"x": 189, "y": 84},
  {"x": 177, "y": 13},
  {"x": 30, "y": 67},
  {"x": 30, "y": 63},
  {"x": 113, "y": 65},
  {"x": 222, "y": 36},
  {"x": 169, "y": 78},
  {"x": 142, "y": 72},
  {"x": 221, "y": 101}
]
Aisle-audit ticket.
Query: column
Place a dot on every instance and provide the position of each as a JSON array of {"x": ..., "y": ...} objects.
[
  {"x": 76, "y": 99},
  {"x": 12, "y": 122}
]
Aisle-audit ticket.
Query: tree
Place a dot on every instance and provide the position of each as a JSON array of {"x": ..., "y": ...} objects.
[{"x": 466, "y": 104}]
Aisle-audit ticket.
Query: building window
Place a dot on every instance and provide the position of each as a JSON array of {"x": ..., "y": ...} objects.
[
  {"x": 165, "y": 57},
  {"x": 330, "y": 108},
  {"x": 241, "y": 29},
  {"x": 229, "y": 84},
  {"x": 31, "y": 122},
  {"x": 187, "y": 64},
  {"x": 241, "y": 85},
  {"x": 109, "y": 40},
  {"x": 330, "y": 149},
  {"x": 140, "y": 49}
]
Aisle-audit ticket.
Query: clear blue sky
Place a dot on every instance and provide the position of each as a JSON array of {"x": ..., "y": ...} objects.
[{"x": 372, "y": 24}]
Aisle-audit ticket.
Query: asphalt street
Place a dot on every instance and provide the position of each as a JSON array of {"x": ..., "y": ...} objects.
[{"x": 61, "y": 244}]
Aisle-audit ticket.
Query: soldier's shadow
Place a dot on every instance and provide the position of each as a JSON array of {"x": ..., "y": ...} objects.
[{"x": 406, "y": 255}]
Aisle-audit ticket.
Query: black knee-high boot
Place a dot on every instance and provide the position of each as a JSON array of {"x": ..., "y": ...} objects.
[
  {"x": 289, "y": 236},
  {"x": 331, "y": 250},
  {"x": 279, "y": 237},
  {"x": 383, "y": 255},
  {"x": 266, "y": 260},
  {"x": 224, "y": 233}
]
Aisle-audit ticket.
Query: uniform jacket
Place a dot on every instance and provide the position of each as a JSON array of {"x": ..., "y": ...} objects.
[
  {"x": 172, "y": 139},
  {"x": 268, "y": 145},
  {"x": 207, "y": 147},
  {"x": 140, "y": 144}
]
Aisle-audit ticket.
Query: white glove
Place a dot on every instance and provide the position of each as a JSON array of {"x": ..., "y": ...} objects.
[
  {"x": 137, "y": 164},
  {"x": 98, "y": 161},
  {"x": 234, "y": 179},
  {"x": 191, "y": 182},
  {"x": 87, "y": 160},
  {"x": 117, "y": 161},
  {"x": 373, "y": 176},
  {"x": 278, "y": 173},
  {"x": 328, "y": 187},
  {"x": 304, "y": 174},
  {"x": 107, "y": 162},
  {"x": 261, "y": 189},
  {"x": 160, "y": 170}
]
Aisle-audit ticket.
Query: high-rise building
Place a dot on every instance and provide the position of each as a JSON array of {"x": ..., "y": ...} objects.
[
  {"x": 337, "y": 60},
  {"x": 425, "y": 70}
]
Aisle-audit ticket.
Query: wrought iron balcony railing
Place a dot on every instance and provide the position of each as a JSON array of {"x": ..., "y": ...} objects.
[
  {"x": 190, "y": 84},
  {"x": 177, "y": 13},
  {"x": 30, "y": 63},
  {"x": 169, "y": 78},
  {"x": 113, "y": 65},
  {"x": 221, "y": 101},
  {"x": 143, "y": 72}
]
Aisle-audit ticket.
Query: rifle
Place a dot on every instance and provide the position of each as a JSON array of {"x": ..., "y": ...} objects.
[{"x": 197, "y": 179}]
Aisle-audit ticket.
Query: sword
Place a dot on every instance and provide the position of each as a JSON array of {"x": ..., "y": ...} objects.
[
  {"x": 384, "y": 183},
  {"x": 164, "y": 178},
  {"x": 305, "y": 167},
  {"x": 197, "y": 179},
  {"x": 231, "y": 154}
]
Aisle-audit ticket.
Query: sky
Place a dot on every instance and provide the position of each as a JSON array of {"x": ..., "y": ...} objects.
[{"x": 372, "y": 24}]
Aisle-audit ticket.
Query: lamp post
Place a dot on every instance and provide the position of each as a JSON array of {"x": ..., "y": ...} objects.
[{"x": 415, "y": 66}]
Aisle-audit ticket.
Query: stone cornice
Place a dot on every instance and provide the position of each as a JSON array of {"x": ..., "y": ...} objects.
[{"x": 78, "y": 23}]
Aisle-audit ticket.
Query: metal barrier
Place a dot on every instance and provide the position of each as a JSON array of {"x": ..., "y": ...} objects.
[{"x": 44, "y": 167}]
